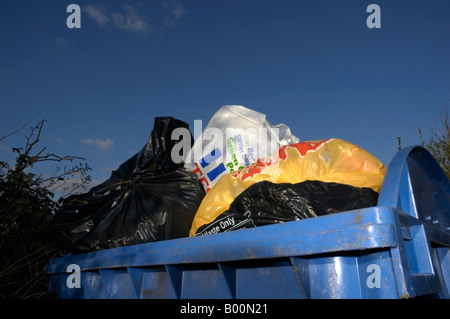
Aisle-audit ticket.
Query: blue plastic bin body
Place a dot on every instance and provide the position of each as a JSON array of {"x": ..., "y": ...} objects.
[{"x": 397, "y": 249}]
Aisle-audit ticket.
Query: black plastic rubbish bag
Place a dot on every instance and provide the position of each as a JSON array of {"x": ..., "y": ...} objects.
[
  {"x": 267, "y": 203},
  {"x": 148, "y": 198}
]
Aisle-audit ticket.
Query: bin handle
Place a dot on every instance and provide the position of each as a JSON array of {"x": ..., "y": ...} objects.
[{"x": 416, "y": 184}]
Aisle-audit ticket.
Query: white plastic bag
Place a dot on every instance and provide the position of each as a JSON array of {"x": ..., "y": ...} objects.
[{"x": 235, "y": 137}]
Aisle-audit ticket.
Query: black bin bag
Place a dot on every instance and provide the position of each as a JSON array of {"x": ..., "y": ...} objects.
[
  {"x": 148, "y": 198},
  {"x": 267, "y": 203}
]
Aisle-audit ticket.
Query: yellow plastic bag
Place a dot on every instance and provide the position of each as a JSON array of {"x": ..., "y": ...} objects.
[{"x": 330, "y": 160}]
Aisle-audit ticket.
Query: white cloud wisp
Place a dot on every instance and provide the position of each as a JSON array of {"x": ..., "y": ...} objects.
[
  {"x": 101, "y": 144},
  {"x": 128, "y": 20}
]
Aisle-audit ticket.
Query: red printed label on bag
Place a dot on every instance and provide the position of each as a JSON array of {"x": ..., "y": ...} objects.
[
  {"x": 303, "y": 148},
  {"x": 259, "y": 167}
]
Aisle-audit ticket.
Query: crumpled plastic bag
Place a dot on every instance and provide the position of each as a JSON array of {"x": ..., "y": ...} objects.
[
  {"x": 266, "y": 203},
  {"x": 235, "y": 137},
  {"x": 147, "y": 198},
  {"x": 329, "y": 160}
]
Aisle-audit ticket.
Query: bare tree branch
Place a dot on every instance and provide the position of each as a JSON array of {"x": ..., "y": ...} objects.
[{"x": 20, "y": 129}]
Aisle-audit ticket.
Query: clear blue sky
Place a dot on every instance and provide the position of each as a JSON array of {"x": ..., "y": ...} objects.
[{"x": 313, "y": 65}]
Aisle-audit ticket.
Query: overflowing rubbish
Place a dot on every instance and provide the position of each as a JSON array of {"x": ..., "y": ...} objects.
[
  {"x": 329, "y": 160},
  {"x": 240, "y": 172},
  {"x": 147, "y": 198}
]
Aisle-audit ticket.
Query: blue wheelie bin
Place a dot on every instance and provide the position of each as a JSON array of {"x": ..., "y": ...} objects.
[{"x": 397, "y": 249}]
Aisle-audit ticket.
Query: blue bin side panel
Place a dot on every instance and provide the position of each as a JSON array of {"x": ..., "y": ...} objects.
[
  {"x": 380, "y": 244},
  {"x": 274, "y": 279}
]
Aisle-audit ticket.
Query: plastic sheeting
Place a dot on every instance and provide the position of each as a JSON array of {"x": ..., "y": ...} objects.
[
  {"x": 266, "y": 203},
  {"x": 147, "y": 198},
  {"x": 235, "y": 137}
]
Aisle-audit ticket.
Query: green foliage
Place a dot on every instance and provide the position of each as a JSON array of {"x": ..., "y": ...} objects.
[
  {"x": 26, "y": 210},
  {"x": 439, "y": 144}
]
